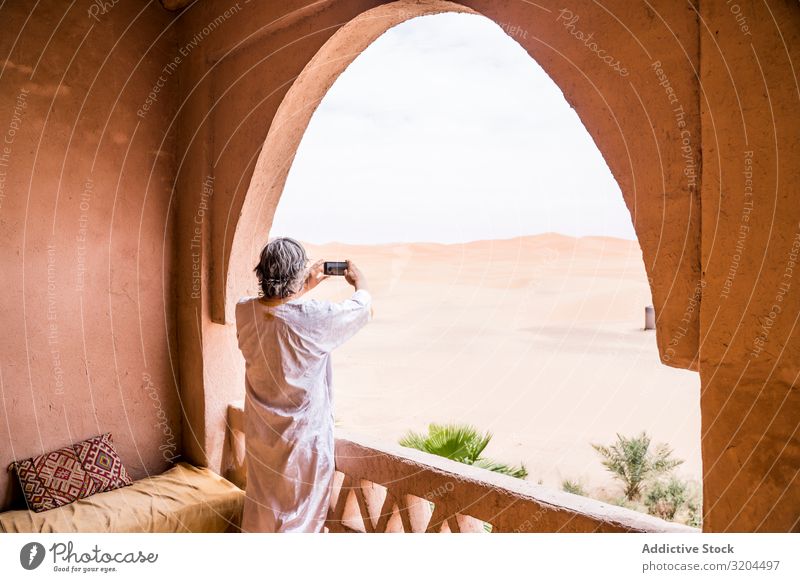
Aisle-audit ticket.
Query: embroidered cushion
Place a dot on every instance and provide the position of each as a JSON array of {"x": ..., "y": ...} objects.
[
  {"x": 101, "y": 462},
  {"x": 53, "y": 479},
  {"x": 71, "y": 473}
]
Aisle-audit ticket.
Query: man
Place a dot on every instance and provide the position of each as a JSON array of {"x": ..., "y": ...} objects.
[{"x": 287, "y": 344}]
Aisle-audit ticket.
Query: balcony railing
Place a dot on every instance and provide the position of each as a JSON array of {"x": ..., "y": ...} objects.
[{"x": 381, "y": 487}]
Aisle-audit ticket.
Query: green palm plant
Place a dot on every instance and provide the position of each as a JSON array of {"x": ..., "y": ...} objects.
[
  {"x": 462, "y": 443},
  {"x": 631, "y": 461}
]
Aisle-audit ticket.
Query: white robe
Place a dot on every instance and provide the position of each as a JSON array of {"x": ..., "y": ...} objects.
[{"x": 289, "y": 407}]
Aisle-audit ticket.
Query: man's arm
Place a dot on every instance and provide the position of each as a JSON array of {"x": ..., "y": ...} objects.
[
  {"x": 356, "y": 278},
  {"x": 338, "y": 322}
]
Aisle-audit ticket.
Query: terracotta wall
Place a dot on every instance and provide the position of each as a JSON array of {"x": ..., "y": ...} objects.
[
  {"x": 239, "y": 74},
  {"x": 691, "y": 89},
  {"x": 670, "y": 112},
  {"x": 86, "y": 227},
  {"x": 750, "y": 356}
]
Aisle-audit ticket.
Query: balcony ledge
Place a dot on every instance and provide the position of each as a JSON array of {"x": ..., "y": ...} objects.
[{"x": 381, "y": 486}]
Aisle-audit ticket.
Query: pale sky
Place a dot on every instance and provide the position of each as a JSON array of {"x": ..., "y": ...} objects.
[{"x": 446, "y": 130}]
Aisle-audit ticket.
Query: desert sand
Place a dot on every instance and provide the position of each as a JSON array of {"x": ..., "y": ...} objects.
[{"x": 538, "y": 339}]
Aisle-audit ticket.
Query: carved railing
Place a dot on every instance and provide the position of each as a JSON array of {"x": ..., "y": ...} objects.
[{"x": 381, "y": 487}]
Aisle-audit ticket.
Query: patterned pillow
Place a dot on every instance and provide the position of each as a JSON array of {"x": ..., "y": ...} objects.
[
  {"x": 53, "y": 479},
  {"x": 71, "y": 473},
  {"x": 101, "y": 462}
]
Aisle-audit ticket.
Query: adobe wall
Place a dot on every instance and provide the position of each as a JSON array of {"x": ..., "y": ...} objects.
[
  {"x": 90, "y": 326},
  {"x": 643, "y": 109},
  {"x": 85, "y": 233},
  {"x": 236, "y": 84},
  {"x": 750, "y": 355}
]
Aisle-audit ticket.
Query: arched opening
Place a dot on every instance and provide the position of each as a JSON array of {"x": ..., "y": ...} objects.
[
  {"x": 286, "y": 132},
  {"x": 579, "y": 366}
]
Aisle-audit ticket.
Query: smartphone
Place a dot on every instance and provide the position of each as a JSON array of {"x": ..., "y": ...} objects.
[{"x": 334, "y": 267}]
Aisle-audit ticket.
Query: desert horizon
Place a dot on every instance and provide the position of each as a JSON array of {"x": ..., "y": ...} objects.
[{"x": 538, "y": 339}]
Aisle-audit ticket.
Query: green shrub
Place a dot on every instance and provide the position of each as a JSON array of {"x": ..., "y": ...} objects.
[
  {"x": 664, "y": 500},
  {"x": 695, "y": 518},
  {"x": 573, "y": 487}
]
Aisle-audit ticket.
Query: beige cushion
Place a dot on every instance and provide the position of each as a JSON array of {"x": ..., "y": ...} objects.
[{"x": 183, "y": 499}]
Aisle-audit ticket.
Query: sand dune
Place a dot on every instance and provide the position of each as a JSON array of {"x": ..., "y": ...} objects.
[{"x": 538, "y": 339}]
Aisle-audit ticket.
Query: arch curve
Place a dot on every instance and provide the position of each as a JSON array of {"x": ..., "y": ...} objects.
[
  {"x": 654, "y": 192},
  {"x": 290, "y": 123}
]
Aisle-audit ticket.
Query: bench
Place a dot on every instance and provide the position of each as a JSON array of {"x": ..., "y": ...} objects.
[{"x": 183, "y": 499}]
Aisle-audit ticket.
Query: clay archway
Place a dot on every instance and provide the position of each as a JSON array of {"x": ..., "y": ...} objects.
[
  {"x": 606, "y": 99},
  {"x": 647, "y": 124},
  {"x": 627, "y": 112},
  {"x": 290, "y": 123}
]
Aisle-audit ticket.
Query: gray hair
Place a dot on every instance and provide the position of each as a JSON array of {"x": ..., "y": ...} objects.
[{"x": 282, "y": 267}]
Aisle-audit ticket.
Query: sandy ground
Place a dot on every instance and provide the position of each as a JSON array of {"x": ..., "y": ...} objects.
[{"x": 538, "y": 339}]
